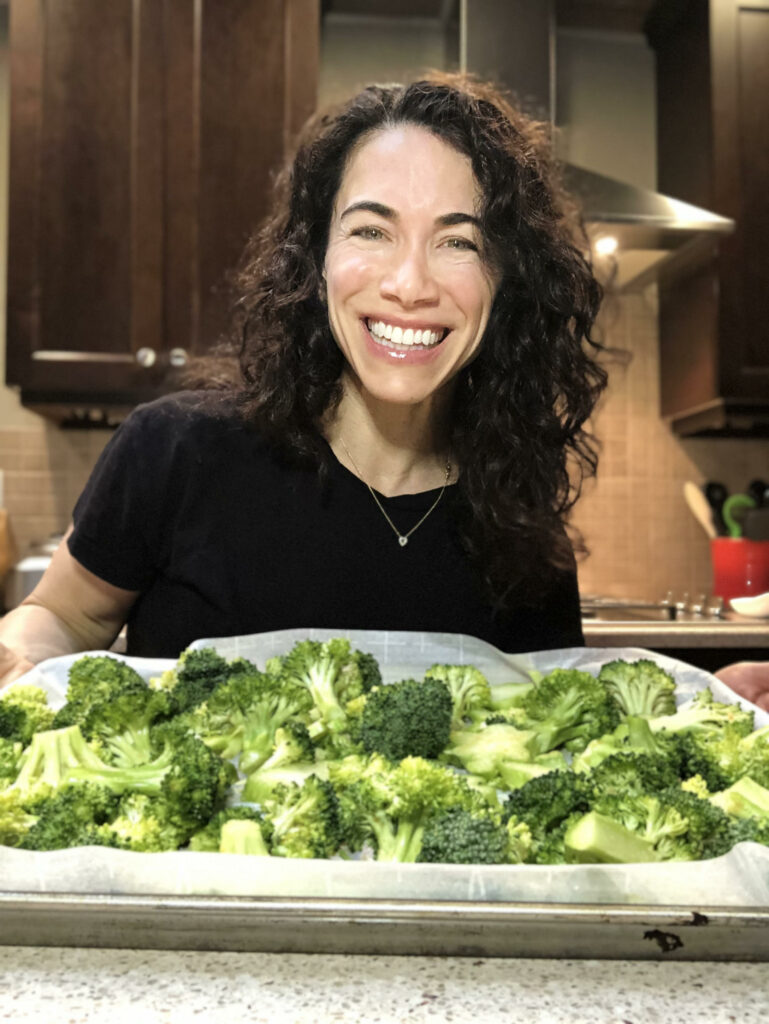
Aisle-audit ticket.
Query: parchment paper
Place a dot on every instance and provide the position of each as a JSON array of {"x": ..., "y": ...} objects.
[{"x": 740, "y": 878}]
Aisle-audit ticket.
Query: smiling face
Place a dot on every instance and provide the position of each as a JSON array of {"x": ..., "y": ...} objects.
[{"x": 409, "y": 294}]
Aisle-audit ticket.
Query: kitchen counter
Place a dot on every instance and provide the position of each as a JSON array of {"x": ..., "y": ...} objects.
[
  {"x": 90, "y": 985},
  {"x": 732, "y": 631}
]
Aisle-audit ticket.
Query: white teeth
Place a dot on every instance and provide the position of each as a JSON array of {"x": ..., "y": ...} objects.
[{"x": 403, "y": 336}]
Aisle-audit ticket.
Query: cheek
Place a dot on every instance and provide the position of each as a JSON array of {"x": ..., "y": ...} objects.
[
  {"x": 471, "y": 291},
  {"x": 347, "y": 274}
]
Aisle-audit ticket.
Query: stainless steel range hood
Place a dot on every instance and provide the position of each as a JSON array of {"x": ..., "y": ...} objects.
[
  {"x": 637, "y": 234},
  {"x": 644, "y": 233}
]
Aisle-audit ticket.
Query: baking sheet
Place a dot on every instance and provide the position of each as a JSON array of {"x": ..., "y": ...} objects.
[{"x": 738, "y": 879}]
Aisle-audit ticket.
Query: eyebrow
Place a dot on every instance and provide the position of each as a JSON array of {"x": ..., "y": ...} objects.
[{"x": 447, "y": 220}]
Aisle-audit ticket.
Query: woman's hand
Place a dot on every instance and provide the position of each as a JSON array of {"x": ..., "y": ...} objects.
[
  {"x": 750, "y": 679},
  {"x": 12, "y": 665}
]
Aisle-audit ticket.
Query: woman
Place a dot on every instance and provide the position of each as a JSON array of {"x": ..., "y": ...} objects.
[{"x": 418, "y": 366}]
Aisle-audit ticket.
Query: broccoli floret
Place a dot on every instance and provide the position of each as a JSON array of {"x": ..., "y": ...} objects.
[
  {"x": 330, "y": 673},
  {"x": 66, "y": 816},
  {"x": 508, "y": 695},
  {"x": 632, "y": 773},
  {"x": 568, "y": 708},
  {"x": 261, "y": 784},
  {"x": 92, "y": 680},
  {"x": 754, "y": 755},
  {"x": 703, "y": 714},
  {"x": 546, "y": 802},
  {"x": 639, "y": 687},
  {"x": 15, "y": 818},
  {"x": 209, "y": 838},
  {"x": 458, "y": 836},
  {"x": 120, "y": 728},
  {"x": 368, "y": 669},
  {"x": 632, "y": 736},
  {"x": 141, "y": 824},
  {"x": 407, "y": 719},
  {"x": 10, "y": 755},
  {"x": 388, "y": 806},
  {"x": 304, "y": 821},
  {"x": 276, "y": 701},
  {"x": 190, "y": 777},
  {"x": 717, "y": 755},
  {"x": 677, "y": 824},
  {"x": 484, "y": 751},
  {"x": 195, "y": 677},
  {"x": 24, "y": 711},
  {"x": 469, "y": 690}
]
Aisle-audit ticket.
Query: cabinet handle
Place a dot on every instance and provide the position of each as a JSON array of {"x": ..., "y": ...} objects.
[
  {"x": 178, "y": 357},
  {"x": 146, "y": 357}
]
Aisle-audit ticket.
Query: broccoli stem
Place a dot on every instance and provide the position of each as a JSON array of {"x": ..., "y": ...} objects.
[{"x": 595, "y": 838}]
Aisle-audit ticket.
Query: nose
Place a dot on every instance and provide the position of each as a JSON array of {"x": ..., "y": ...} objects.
[{"x": 409, "y": 279}]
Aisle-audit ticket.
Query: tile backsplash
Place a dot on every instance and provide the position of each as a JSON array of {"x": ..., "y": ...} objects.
[{"x": 642, "y": 539}]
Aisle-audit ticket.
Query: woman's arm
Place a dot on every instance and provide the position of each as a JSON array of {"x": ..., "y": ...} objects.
[{"x": 69, "y": 610}]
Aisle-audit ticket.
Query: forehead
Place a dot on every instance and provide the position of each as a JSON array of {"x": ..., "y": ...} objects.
[{"x": 407, "y": 167}]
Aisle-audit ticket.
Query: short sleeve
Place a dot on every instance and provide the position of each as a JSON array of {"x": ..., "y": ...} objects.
[{"x": 118, "y": 517}]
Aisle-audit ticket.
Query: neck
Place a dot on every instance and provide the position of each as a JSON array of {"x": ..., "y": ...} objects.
[{"x": 396, "y": 449}]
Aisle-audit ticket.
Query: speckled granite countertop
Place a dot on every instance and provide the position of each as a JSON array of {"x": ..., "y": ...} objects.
[{"x": 150, "y": 987}]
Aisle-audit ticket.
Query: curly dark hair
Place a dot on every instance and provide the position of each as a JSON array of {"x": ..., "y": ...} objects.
[{"x": 520, "y": 408}]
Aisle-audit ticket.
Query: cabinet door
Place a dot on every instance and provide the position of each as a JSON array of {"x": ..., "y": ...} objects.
[
  {"x": 143, "y": 136},
  {"x": 739, "y": 33},
  {"x": 86, "y": 197}
]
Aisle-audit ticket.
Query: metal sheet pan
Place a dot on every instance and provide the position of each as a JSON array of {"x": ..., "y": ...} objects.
[{"x": 386, "y": 927}]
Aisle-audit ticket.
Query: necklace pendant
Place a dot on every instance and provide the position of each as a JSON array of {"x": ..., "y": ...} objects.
[{"x": 403, "y": 541}]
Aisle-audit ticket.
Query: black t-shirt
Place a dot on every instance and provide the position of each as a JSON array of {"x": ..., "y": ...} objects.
[{"x": 222, "y": 537}]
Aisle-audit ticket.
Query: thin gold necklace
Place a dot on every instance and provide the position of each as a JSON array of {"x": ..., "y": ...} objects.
[{"x": 403, "y": 538}]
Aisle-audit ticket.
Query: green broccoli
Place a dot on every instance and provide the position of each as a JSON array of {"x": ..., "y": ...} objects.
[
  {"x": 545, "y": 803},
  {"x": 10, "y": 755},
  {"x": 304, "y": 821},
  {"x": 95, "y": 679},
  {"x": 744, "y": 799},
  {"x": 330, "y": 673},
  {"x": 189, "y": 776},
  {"x": 717, "y": 755},
  {"x": 675, "y": 824},
  {"x": 120, "y": 728},
  {"x": 632, "y": 736},
  {"x": 632, "y": 773},
  {"x": 407, "y": 719},
  {"x": 639, "y": 687},
  {"x": 66, "y": 816},
  {"x": 703, "y": 714},
  {"x": 15, "y": 818},
  {"x": 24, "y": 711},
  {"x": 276, "y": 701},
  {"x": 469, "y": 690},
  {"x": 484, "y": 751},
  {"x": 209, "y": 838},
  {"x": 389, "y": 806},
  {"x": 142, "y": 824},
  {"x": 194, "y": 678},
  {"x": 568, "y": 708},
  {"x": 242, "y": 836},
  {"x": 459, "y": 836}
]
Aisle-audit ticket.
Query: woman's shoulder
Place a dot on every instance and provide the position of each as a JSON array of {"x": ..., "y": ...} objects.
[{"x": 188, "y": 414}]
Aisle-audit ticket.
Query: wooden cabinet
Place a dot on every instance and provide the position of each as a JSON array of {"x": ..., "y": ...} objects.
[
  {"x": 713, "y": 151},
  {"x": 143, "y": 138}
]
